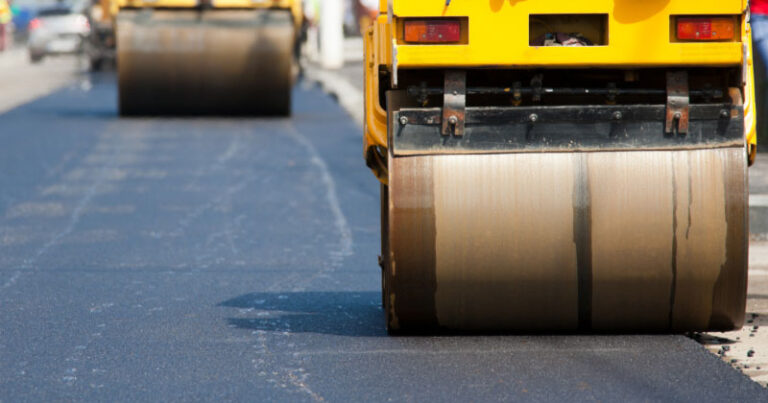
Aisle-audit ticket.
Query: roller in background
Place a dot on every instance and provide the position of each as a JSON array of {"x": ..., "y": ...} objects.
[
  {"x": 534, "y": 179},
  {"x": 230, "y": 57}
]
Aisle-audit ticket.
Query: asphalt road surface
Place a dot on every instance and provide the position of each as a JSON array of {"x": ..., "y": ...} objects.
[{"x": 235, "y": 259}]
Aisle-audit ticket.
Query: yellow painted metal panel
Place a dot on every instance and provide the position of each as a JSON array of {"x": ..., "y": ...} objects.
[
  {"x": 377, "y": 54},
  {"x": 750, "y": 113},
  {"x": 375, "y": 123},
  {"x": 627, "y": 10},
  {"x": 638, "y": 34}
]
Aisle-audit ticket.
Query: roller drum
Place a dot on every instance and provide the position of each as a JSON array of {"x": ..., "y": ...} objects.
[
  {"x": 215, "y": 62},
  {"x": 651, "y": 241}
]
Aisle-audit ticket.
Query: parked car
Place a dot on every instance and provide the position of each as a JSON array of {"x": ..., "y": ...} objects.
[{"x": 56, "y": 30}]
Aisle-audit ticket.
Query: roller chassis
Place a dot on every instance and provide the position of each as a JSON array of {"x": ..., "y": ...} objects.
[
  {"x": 565, "y": 129},
  {"x": 510, "y": 206}
]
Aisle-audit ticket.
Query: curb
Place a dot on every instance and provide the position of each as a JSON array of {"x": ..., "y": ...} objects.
[{"x": 349, "y": 97}]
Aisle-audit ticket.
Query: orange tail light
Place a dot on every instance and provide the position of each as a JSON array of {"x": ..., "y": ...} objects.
[
  {"x": 705, "y": 28},
  {"x": 432, "y": 31}
]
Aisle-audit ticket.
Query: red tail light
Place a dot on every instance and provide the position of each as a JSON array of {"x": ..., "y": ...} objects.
[
  {"x": 432, "y": 31},
  {"x": 705, "y": 29},
  {"x": 34, "y": 24}
]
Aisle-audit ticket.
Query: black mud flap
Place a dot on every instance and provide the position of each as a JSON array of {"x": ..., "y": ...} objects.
[{"x": 417, "y": 131}]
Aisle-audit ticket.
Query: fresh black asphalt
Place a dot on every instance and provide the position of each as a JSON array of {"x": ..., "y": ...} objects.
[{"x": 216, "y": 259}]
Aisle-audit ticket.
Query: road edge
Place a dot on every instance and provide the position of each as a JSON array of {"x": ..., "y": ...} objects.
[{"x": 335, "y": 84}]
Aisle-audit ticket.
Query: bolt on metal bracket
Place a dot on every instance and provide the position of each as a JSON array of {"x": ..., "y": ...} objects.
[
  {"x": 454, "y": 102},
  {"x": 678, "y": 102}
]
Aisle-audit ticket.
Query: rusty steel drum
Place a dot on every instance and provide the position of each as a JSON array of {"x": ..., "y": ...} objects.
[{"x": 652, "y": 241}]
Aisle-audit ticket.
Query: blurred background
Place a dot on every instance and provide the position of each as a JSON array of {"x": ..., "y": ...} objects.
[
  {"x": 45, "y": 43},
  {"x": 45, "y": 28}
]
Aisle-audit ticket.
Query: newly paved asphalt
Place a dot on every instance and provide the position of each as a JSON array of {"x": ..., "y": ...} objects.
[{"x": 235, "y": 259}]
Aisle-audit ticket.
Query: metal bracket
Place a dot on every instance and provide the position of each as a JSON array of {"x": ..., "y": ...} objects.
[
  {"x": 517, "y": 95},
  {"x": 454, "y": 102},
  {"x": 423, "y": 97},
  {"x": 678, "y": 102},
  {"x": 735, "y": 95},
  {"x": 612, "y": 93},
  {"x": 737, "y": 102},
  {"x": 536, "y": 83}
]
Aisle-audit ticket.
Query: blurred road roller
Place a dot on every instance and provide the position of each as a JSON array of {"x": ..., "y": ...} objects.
[
  {"x": 223, "y": 57},
  {"x": 539, "y": 174}
]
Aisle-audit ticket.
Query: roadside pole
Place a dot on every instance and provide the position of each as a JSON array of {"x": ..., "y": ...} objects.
[{"x": 332, "y": 34}]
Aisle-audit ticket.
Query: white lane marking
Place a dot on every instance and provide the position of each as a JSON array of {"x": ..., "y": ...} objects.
[
  {"x": 105, "y": 174},
  {"x": 220, "y": 164},
  {"x": 74, "y": 219},
  {"x": 291, "y": 373},
  {"x": 232, "y": 149},
  {"x": 298, "y": 378},
  {"x": 340, "y": 221}
]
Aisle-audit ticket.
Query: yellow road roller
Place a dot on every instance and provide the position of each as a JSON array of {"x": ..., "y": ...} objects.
[
  {"x": 561, "y": 166},
  {"x": 221, "y": 57}
]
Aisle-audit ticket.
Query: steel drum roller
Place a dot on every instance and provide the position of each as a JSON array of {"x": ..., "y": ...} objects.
[
  {"x": 205, "y": 62},
  {"x": 590, "y": 241}
]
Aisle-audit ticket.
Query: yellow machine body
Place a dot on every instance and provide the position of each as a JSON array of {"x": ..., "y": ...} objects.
[
  {"x": 639, "y": 35},
  {"x": 534, "y": 187}
]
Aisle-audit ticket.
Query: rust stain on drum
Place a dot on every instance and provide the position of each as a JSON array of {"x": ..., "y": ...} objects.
[
  {"x": 412, "y": 242},
  {"x": 505, "y": 253},
  {"x": 582, "y": 238},
  {"x": 730, "y": 293},
  {"x": 636, "y": 240},
  {"x": 700, "y": 235}
]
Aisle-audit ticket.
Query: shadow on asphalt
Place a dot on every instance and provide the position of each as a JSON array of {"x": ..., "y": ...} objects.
[
  {"x": 343, "y": 313},
  {"x": 348, "y": 313}
]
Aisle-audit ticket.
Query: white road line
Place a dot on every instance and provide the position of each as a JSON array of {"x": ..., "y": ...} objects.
[
  {"x": 340, "y": 221},
  {"x": 74, "y": 219},
  {"x": 77, "y": 212}
]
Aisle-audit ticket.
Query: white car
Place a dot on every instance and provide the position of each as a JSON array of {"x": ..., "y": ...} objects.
[{"x": 60, "y": 29}]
